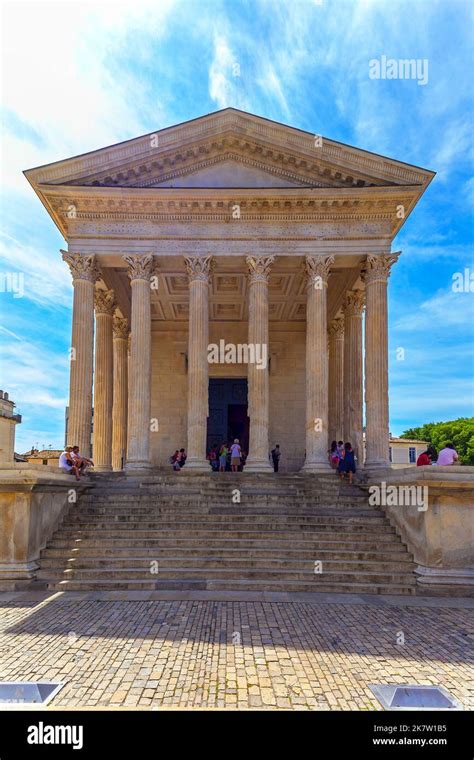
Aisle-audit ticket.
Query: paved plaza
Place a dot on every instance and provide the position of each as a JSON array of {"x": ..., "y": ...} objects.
[{"x": 317, "y": 652}]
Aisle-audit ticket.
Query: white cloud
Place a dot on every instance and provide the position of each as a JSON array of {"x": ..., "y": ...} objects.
[{"x": 46, "y": 277}]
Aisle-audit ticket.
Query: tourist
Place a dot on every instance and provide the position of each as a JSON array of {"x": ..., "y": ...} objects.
[
  {"x": 334, "y": 455},
  {"x": 423, "y": 459},
  {"x": 235, "y": 454},
  {"x": 348, "y": 463},
  {"x": 223, "y": 452},
  {"x": 276, "y": 454},
  {"x": 340, "y": 449},
  {"x": 213, "y": 458},
  {"x": 81, "y": 462},
  {"x": 173, "y": 460},
  {"x": 447, "y": 456},
  {"x": 182, "y": 456},
  {"x": 68, "y": 464}
]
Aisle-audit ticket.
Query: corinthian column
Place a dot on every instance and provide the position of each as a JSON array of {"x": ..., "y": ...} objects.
[
  {"x": 103, "y": 380},
  {"x": 353, "y": 390},
  {"x": 317, "y": 271},
  {"x": 199, "y": 269},
  {"x": 336, "y": 379},
  {"x": 376, "y": 359},
  {"x": 258, "y": 386},
  {"x": 84, "y": 274},
  {"x": 119, "y": 408},
  {"x": 140, "y": 271}
]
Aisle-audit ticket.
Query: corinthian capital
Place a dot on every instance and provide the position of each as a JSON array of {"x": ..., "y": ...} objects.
[
  {"x": 120, "y": 327},
  {"x": 104, "y": 302},
  {"x": 377, "y": 268},
  {"x": 354, "y": 301},
  {"x": 199, "y": 267},
  {"x": 81, "y": 267},
  {"x": 336, "y": 328},
  {"x": 317, "y": 270},
  {"x": 259, "y": 268},
  {"x": 140, "y": 267}
]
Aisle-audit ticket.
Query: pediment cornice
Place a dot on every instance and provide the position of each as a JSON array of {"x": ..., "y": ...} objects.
[{"x": 146, "y": 160}]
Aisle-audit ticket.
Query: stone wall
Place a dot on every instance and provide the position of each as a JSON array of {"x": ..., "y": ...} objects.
[
  {"x": 287, "y": 387},
  {"x": 31, "y": 507}
]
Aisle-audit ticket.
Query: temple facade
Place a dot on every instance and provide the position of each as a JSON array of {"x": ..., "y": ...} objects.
[{"x": 221, "y": 268}]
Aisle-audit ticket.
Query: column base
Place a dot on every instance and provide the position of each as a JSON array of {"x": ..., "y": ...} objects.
[
  {"x": 323, "y": 467},
  {"x": 258, "y": 465},
  {"x": 102, "y": 468},
  {"x": 137, "y": 466},
  {"x": 196, "y": 465}
]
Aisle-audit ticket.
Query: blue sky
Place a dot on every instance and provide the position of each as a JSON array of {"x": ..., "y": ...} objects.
[{"x": 79, "y": 76}]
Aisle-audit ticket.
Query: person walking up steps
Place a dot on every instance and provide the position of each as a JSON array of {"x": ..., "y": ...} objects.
[{"x": 348, "y": 463}]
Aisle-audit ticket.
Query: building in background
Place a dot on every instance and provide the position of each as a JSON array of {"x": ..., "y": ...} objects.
[
  {"x": 49, "y": 457},
  {"x": 8, "y": 421}
]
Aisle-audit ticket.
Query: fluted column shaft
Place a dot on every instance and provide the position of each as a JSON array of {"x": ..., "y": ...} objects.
[
  {"x": 120, "y": 403},
  {"x": 84, "y": 274},
  {"x": 139, "y": 399},
  {"x": 353, "y": 375},
  {"x": 257, "y": 373},
  {"x": 336, "y": 380},
  {"x": 199, "y": 269},
  {"x": 376, "y": 360},
  {"x": 103, "y": 380},
  {"x": 317, "y": 271}
]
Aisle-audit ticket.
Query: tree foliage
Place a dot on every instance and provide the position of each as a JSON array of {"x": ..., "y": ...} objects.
[{"x": 459, "y": 432}]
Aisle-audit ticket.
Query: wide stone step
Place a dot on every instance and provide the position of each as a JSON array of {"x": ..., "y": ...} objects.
[
  {"x": 328, "y": 586},
  {"x": 390, "y": 543},
  {"x": 375, "y": 575},
  {"x": 51, "y": 556},
  {"x": 209, "y": 533},
  {"x": 228, "y": 564},
  {"x": 228, "y": 519}
]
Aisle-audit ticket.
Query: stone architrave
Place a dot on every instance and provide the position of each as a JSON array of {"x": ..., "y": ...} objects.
[
  {"x": 353, "y": 375},
  {"x": 84, "y": 273},
  {"x": 375, "y": 276},
  {"x": 141, "y": 269},
  {"x": 317, "y": 272},
  {"x": 121, "y": 333},
  {"x": 336, "y": 380},
  {"x": 199, "y": 270},
  {"x": 258, "y": 378}
]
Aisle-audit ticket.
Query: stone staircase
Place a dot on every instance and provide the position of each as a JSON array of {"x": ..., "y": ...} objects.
[{"x": 185, "y": 532}]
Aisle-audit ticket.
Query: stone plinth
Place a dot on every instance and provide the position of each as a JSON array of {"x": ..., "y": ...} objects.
[
  {"x": 440, "y": 536},
  {"x": 32, "y": 505}
]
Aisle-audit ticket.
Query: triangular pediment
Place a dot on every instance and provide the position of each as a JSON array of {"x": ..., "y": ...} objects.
[
  {"x": 229, "y": 148},
  {"x": 229, "y": 171}
]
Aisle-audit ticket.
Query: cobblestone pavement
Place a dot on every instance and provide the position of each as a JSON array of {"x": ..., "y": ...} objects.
[{"x": 229, "y": 654}]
